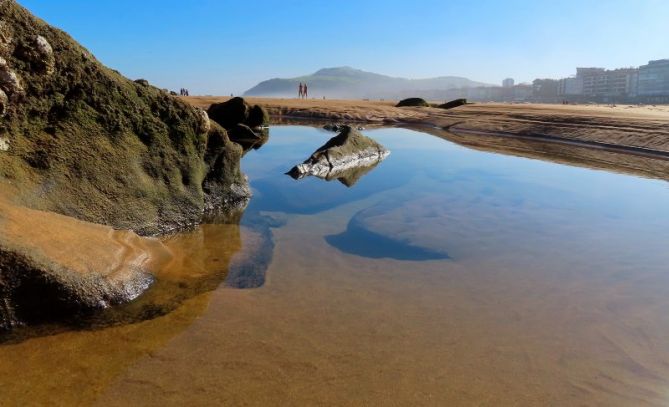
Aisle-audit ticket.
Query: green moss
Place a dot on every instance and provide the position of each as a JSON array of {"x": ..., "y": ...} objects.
[{"x": 89, "y": 143}]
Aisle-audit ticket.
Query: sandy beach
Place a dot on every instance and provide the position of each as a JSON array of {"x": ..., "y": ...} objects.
[{"x": 641, "y": 128}]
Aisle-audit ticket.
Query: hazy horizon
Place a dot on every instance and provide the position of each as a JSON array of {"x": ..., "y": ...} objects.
[{"x": 221, "y": 48}]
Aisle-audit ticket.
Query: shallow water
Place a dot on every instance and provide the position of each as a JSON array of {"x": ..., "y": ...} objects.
[{"x": 441, "y": 276}]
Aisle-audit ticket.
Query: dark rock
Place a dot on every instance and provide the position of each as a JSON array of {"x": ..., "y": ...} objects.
[
  {"x": 237, "y": 111},
  {"x": 34, "y": 291},
  {"x": 453, "y": 103},
  {"x": 348, "y": 149},
  {"x": 142, "y": 82},
  {"x": 229, "y": 113},
  {"x": 241, "y": 133},
  {"x": 173, "y": 93},
  {"x": 257, "y": 117},
  {"x": 417, "y": 102}
]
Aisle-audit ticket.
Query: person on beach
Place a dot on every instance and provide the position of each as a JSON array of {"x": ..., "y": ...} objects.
[
  {"x": 304, "y": 91},
  {"x": 299, "y": 91}
]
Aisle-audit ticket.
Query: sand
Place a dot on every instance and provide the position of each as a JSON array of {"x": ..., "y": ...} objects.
[{"x": 634, "y": 129}]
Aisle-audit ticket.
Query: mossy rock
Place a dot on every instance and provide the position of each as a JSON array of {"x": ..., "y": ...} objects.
[
  {"x": 87, "y": 142},
  {"x": 414, "y": 102}
]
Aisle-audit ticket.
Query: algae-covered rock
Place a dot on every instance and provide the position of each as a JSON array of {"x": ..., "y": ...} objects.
[
  {"x": 80, "y": 140},
  {"x": 416, "y": 102},
  {"x": 348, "y": 149},
  {"x": 89, "y": 143}
]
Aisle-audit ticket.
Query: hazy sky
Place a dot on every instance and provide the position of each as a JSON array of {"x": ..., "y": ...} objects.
[{"x": 223, "y": 47}]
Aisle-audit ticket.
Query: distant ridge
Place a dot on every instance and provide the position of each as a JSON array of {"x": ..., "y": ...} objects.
[{"x": 346, "y": 82}]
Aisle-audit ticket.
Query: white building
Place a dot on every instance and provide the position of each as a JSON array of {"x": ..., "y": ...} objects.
[
  {"x": 508, "y": 83},
  {"x": 570, "y": 86}
]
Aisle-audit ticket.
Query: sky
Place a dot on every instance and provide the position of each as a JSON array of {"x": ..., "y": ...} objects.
[{"x": 219, "y": 47}]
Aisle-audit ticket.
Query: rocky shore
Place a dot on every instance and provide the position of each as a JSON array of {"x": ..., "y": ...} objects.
[
  {"x": 630, "y": 129},
  {"x": 90, "y": 162}
]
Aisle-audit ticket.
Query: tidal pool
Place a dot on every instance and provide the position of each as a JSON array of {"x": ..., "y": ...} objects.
[{"x": 442, "y": 276}]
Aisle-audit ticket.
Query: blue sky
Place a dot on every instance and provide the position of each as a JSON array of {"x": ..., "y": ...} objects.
[{"x": 223, "y": 47}]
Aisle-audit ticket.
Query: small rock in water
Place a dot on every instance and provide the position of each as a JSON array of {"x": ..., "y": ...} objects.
[{"x": 348, "y": 149}]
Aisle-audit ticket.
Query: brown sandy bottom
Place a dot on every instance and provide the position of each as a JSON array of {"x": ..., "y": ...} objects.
[{"x": 336, "y": 329}]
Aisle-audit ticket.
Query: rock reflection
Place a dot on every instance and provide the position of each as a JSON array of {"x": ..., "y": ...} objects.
[
  {"x": 348, "y": 176},
  {"x": 253, "y": 143}
]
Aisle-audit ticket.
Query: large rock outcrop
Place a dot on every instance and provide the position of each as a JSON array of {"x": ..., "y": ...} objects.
[
  {"x": 87, "y": 142},
  {"x": 349, "y": 149},
  {"x": 80, "y": 140}
]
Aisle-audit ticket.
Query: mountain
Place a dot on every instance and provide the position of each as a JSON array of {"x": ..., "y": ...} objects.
[{"x": 347, "y": 82}]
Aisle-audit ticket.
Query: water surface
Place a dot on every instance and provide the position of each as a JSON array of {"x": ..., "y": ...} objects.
[{"x": 442, "y": 276}]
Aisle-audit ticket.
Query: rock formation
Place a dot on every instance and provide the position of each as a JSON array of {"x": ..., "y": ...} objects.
[
  {"x": 94, "y": 145},
  {"x": 80, "y": 140},
  {"x": 419, "y": 102},
  {"x": 348, "y": 149},
  {"x": 453, "y": 103},
  {"x": 243, "y": 122},
  {"x": 236, "y": 111}
]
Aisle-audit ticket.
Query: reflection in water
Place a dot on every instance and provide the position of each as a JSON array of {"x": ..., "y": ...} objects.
[
  {"x": 256, "y": 143},
  {"x": 363, "y": 242},
  {"x": 348, "y": 176},
  {"x": 555, "y": 293},
  {"x": 201, "y": 259}
]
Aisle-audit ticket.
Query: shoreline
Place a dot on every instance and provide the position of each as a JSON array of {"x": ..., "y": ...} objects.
[{"x": 639, "y": 130}]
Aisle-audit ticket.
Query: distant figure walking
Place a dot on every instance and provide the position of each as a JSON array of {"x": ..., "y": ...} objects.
[
  {"x": 300, "y": 91},
  {"x": 183, "y": 92},
  {"x": 304, "y": 91}
]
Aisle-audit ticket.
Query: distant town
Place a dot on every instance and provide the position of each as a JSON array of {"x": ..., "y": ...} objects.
[{"x": 648, "y": 84}]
